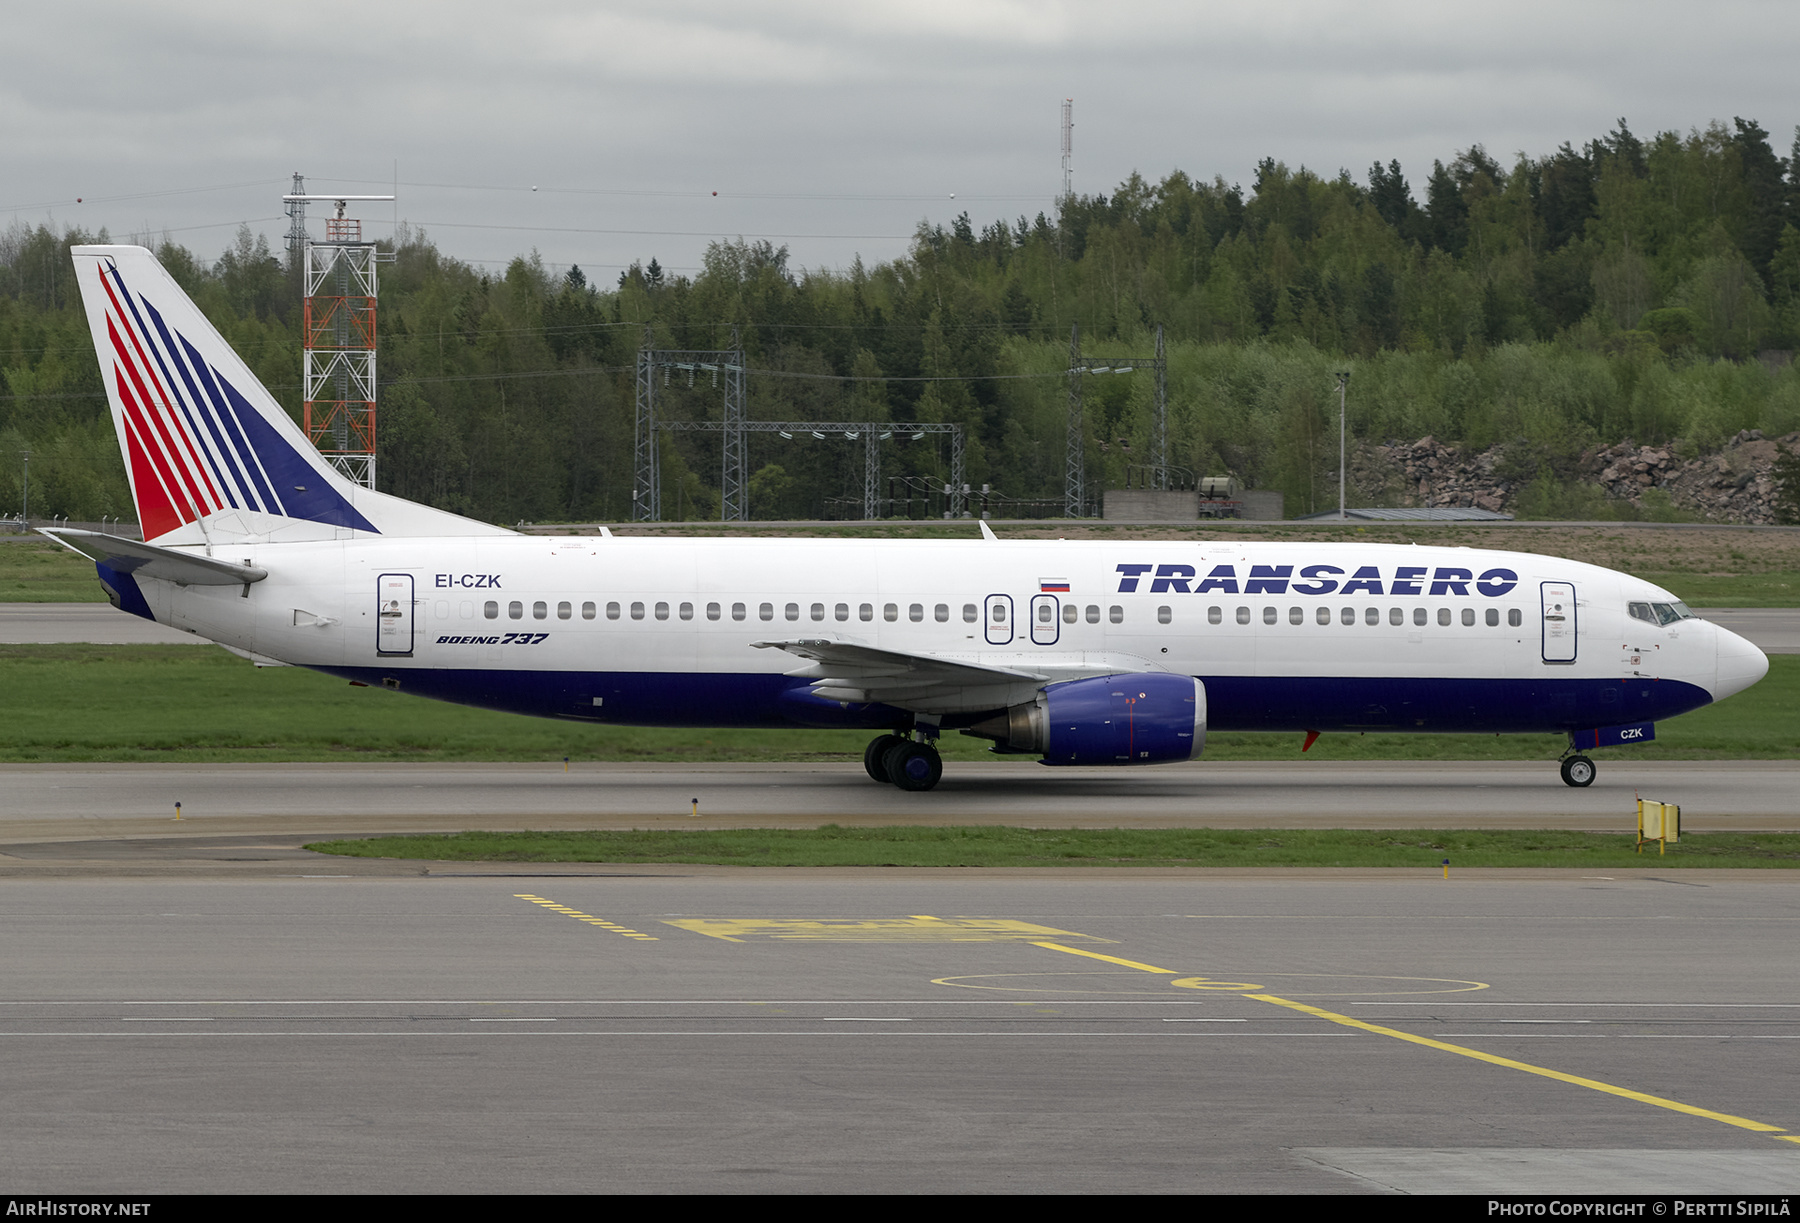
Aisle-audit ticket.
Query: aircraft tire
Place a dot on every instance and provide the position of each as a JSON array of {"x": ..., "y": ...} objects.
[
  {"x": 914, "y": 766},
  {"x": 875, "y": 757},
  {"x": 1578, "y": 771}
]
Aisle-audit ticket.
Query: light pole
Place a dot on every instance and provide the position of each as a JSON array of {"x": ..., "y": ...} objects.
[
  {"x": 25, "y": 494},
  {"x": 1343, "y": 382}
]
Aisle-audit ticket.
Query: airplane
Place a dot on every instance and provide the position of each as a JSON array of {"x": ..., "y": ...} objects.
[{"x": 1079, "y": 653}]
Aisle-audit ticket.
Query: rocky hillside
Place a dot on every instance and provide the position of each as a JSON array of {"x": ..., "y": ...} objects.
[{"x": 1734, "y": 485}]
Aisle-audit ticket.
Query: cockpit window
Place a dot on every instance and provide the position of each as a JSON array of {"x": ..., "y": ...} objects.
[{"x": 1659, "y": 613}]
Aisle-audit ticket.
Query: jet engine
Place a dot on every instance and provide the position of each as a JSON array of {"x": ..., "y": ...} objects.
[{"x": 1146, "y": 718}]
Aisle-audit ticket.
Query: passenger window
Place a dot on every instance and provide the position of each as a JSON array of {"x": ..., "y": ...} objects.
[
  {"x": 1493, "y": 617},
  {"x": 941, "y": 613},
  {"x": 612, "y": 611},
  {"x": 1371, "y": 615},
  {"x": 818, "y": 611},
  {"x": 515, "y": 610},
  {"x": 1269, "y": 615},
  {"x": 1419, "y": 616},
  {"x": 442, "y": 609},
  {"x": 1443, "y": 616},
  {"x": 686, "y": 611},
  {"x": 791, "y": 611},
  {"x": 1468, "y": 616},
  {"x": 662, "y": 611},
  {"x": 466, "y": 610},
  {"x": 865, "y": 611},
  {"x": 491, "y": 610},
  {"x": 1323, "y": 615},
  {"x": 1093, "y": 613},
  {"x": 841, "y": 611},
  {"x": 1513, "y": 617},
  {"x": 1347, "y": 616},
  {"x": 1116, "y": 614},
  {"x": 1163, "y": 615},
  {"x": 1214, "y": 615},
  {"x": 1396, "y": 616},
  {"x": 890, "y": 612},
  {"x": 739, "y": 611},
  {"x": 714, "y": 611},
  {"x": 588, "y": 610},
  {"x": 1243, "y": 615},
  {"x": 637, "y": 611},
  {"x": 564, "y": 611},
  {"x": 540, "y": 611},
  {"x": 1296, "y": 615},
  {"x": 1071, "y": 613},
  {"x": 971, "y": 613},
  {"x": 999, "y": 613},
  {"x": 916, "y": 612},
  {"x": 1046, "y": 614},
  {"x": 765, "y": 611}
]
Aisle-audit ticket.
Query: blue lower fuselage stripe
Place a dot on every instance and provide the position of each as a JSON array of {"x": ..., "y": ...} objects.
[{"x": 1234, "y": 703}]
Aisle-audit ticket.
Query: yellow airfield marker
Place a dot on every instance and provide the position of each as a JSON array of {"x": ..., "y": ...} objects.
[{"x": 1691, "y": 1110}]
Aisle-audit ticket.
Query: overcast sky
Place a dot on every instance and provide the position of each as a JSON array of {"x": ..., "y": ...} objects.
[{"x": 598, "y": 133}]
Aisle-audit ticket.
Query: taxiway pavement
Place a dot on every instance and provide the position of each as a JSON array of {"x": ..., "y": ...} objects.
[{"x": 903, "y": 1032}]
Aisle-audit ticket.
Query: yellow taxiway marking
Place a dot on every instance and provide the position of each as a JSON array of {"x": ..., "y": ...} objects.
[
  {"x": 578, "y": 915},
  {"x": 915, "y": 929},
  {"x": 1460, "y": 1050}
]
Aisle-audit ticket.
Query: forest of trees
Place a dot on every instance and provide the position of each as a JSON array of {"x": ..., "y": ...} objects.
[{"x": 1629, "y": 288}]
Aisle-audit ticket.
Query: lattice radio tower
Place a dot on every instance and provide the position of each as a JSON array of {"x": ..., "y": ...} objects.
[
  {"x": 1068, "y": 133},
  {"x": 339, "y": 291}
]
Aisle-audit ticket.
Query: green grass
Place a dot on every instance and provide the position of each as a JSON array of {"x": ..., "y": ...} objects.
[
  {"x": 1777, "y": 588},
  {"x": 982, "y": 846},
  {"x": 70, "y": 703},
  {"x": 34, "y": 570}
]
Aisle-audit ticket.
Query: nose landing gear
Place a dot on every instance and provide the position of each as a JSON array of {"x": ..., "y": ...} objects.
[{"x": 1578, "y": 770}]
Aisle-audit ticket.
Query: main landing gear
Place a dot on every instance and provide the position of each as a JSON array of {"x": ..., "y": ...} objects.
[
  {"x": 911, "y": 764},
  {"x": 1578, "y": 770}
]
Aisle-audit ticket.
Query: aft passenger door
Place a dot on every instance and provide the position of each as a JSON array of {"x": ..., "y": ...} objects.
[
  {"x": 394, "y": 615},
  {"x": 1558, "y": 615}
]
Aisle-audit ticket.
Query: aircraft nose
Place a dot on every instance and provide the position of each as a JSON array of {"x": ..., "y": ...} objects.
[{"x": 1740, "y": 664}]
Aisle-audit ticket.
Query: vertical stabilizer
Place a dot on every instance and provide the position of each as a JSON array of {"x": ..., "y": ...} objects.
[{"x": 210, "y": 455}]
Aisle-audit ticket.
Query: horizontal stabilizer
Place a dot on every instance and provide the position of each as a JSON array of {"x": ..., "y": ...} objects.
[{"x": 152, "y": 561}]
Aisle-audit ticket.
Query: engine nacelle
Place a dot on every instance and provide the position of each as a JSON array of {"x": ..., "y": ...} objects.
[{"x": 1146, "y": 718}]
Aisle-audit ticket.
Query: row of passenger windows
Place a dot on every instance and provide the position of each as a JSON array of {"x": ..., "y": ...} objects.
[{"x": 940, "y": 612}]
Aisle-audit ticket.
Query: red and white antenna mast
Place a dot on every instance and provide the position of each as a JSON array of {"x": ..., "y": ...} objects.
[{"x": 338, "y": 413}]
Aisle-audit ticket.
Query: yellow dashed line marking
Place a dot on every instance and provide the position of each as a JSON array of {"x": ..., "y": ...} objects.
[
  {"x": 916, "y": 929},
  {"x": 590, "y": 919},
  {"x": 1460, "y": 1050}
]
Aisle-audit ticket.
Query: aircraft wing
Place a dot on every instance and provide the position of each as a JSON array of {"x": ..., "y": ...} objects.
[
  {"x": 152, "y": 560},
  {"x": 849, "y": 671}
]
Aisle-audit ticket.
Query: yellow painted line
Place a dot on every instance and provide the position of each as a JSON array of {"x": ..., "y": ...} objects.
[
  {"x": 1691, "y": 1110},
  {"x": 1463, "y": 1051},
  {"x": 587, "y": 918},
  {"x": 1110, "y": 959},
  {"x": 916, "y": 929}
]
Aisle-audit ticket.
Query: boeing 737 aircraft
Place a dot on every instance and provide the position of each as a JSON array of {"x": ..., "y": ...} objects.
[{"x": 1103, "y": 653}]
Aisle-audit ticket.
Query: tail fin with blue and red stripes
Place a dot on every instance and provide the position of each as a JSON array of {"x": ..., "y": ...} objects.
[{"x": 208, "y": 451}]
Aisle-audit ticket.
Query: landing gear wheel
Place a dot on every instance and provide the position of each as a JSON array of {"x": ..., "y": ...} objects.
[
  {"x": 913, "y": 766},
  {"x": 1578, "y": 771},
  {"x": 875, "y": 756}
]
